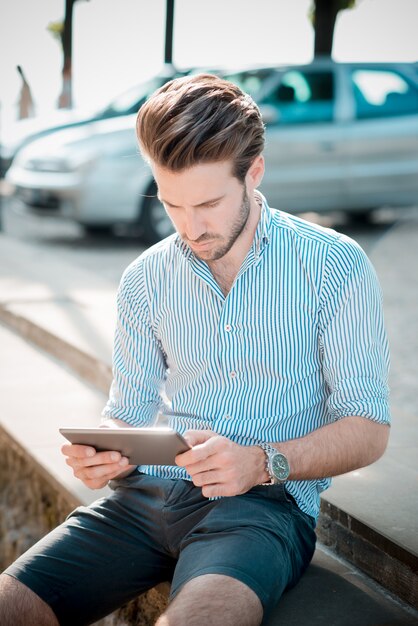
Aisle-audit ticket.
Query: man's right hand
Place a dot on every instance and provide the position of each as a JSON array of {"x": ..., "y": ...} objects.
[{"x": 95, "y": 469}]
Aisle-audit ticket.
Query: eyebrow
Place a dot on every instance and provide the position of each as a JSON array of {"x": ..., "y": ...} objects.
[{"x": 195, "y": 206}]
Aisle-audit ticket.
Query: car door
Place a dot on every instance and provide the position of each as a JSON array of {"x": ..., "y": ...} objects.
[
  {"x": 382, "y": 138},
  {"x": 304, "y": 157}
]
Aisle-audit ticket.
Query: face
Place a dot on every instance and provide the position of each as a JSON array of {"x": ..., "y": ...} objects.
[{"x": 210, "y": 208}]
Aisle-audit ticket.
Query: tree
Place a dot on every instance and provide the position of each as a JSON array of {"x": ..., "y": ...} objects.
[
  {"x": 64, "y": 32},
  {"x": 323, "y": 15},
  {"x": 169, "y": 21}
]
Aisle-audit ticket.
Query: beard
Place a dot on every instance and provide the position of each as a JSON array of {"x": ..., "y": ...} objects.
[{"x": 225, "y": 242}]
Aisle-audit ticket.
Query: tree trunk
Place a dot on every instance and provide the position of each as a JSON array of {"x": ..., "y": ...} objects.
[
  {"x": 324, "y": 23},
  {"x": 169, "y": 20},
  {"x": 65, "y": 99}
]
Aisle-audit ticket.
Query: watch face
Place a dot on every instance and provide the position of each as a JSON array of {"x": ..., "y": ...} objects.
[{"x": 280, "y": 466}]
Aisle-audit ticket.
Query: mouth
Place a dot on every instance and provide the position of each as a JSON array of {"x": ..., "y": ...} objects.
[{"x": 200, "y": 246}]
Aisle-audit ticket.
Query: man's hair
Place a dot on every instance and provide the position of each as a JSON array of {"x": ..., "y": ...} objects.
[{"x": 200, "y": 119}]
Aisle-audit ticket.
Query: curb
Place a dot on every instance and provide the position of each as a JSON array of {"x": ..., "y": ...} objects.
[
  {"x": 89, "y": 368},
  {"x": 373, "y": 553}
]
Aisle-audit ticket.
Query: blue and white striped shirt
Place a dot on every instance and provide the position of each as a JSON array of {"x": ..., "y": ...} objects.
[{"x": 297, "y": 343}]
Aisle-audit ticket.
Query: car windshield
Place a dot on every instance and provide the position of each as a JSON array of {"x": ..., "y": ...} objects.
[{"x": 130, "y": 101}]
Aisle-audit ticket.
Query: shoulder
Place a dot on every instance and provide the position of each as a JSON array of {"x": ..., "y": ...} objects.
[
  {"x": 336, "y": 246},
  {"x": 297, "y": 228},
  {"x": 153, "y": 264}
]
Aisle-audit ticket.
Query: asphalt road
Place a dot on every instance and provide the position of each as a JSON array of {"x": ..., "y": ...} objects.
[{"x": 109, "y": 255}]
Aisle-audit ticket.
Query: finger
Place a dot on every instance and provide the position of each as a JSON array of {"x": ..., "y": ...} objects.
[
  {"x": 99, "y": 458},
  {"x": 196, "y": 455},
  {"x": 103, "y": 458},
  {"x": 100, "y": 471},
  {"x": 195, "y": 437},
  {"x": 77, "y": 450},
  {"x": 212, "y": 477},
  {"x": 220, "y": 490},
  {"x": 106, "y": 459},
  {"x": 201, "y": 451}
]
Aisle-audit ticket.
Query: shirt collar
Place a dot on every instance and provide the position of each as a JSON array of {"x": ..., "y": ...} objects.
[{"x": 262, "y": 233}]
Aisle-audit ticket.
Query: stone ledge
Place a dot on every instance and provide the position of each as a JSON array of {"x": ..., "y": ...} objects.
[
  {"x": 32, "y": 503},
  {"x": 379, "y": 557}
]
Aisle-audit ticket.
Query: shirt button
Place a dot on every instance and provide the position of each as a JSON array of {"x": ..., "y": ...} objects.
[
  {"x": 232, "y": 374},
  {"x": 228, "y": 328},
  {"x": 228, "y": 417}
]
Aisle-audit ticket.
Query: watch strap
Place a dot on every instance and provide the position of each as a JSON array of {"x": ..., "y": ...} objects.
[{"x": 268, "y": 450}]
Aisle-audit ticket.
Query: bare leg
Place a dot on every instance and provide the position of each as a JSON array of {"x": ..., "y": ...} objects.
[
  {"x": 20, "y": 606},
  {"x": 212, "y": 600}
]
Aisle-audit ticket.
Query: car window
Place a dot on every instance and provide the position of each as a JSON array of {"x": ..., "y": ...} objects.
[
  {"x": 382, "y": 93},
  {"x": 129, "y": 101},
  {"x": 250, "y": 81},
  {"x": 303, "y": 97}
]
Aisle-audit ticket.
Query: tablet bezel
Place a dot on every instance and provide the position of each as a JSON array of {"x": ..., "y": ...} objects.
[{"x": 142, "y": 446}]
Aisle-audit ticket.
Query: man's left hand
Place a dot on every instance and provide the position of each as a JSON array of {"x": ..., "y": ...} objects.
[{"x": 220, "y": 466}]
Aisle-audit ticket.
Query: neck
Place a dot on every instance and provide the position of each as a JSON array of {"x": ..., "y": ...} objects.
[{"x": 225, "y": 270}]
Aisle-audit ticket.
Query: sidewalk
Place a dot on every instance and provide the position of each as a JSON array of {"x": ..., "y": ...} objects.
[{"x": 71, "y": 314}]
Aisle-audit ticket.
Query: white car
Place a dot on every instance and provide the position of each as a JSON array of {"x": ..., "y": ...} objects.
[
  {"x": 338, "y": 136},
  {"x": 22, "y": 132}
]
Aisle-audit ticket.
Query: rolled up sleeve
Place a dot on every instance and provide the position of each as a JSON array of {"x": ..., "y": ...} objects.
[{"x": 353, "y": 341}]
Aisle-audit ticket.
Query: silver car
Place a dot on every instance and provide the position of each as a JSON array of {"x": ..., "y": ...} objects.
[{"x": 338, "y": 136}]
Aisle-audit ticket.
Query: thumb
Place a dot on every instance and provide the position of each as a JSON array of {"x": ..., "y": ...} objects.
[{"x": 194, "y": 437}]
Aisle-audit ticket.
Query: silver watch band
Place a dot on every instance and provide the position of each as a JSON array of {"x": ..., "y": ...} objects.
[{"x": 268, "y": 449}]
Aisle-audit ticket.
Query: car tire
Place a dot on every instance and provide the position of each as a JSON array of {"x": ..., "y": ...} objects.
[
  {"x": 362, "y": 217},
  {"x": 154, "y": 221},
  {"x": 97, "y": 230}
]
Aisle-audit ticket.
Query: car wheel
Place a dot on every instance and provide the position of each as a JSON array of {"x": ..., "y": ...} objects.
[
  {"x": 154, "y": 221},
  {"x": 97, "y": 230},
  {"x": 362, "y": 217}
]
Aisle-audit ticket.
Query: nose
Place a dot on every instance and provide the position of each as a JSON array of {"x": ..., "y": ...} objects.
[{"x": 194, "y": 226}]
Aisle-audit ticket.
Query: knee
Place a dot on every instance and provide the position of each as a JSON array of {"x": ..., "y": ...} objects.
[
  {"x": 10, "y": 588},
  {"x": 20, "y": 606}
]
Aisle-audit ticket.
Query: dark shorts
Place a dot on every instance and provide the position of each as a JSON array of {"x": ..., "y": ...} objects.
[{"x": 151, "y": 530}]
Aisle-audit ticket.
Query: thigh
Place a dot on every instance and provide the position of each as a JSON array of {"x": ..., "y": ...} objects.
[
  {"x": 212, "y": 599},
  {"x": 260, "y": 538},
  {"x": 99, "y": 558}
]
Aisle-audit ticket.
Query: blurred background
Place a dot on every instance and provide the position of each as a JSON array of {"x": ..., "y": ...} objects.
[
  {"x": 336, "y": 80},
  {"x": 70, "y": 63},
  {"x": 117, "y": 44}
]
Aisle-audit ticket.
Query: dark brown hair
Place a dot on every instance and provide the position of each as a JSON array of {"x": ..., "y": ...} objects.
[{"x": 200, "y": 119}]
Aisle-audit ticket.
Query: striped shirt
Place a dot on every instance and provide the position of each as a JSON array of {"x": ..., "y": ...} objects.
[{"x": 297, "y": 343}]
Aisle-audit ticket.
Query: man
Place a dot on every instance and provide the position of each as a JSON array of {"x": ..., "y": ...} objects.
[{"x": 265, "y": 333}]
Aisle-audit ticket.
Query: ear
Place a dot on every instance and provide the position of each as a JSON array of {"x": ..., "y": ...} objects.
[{"x": 256, "y": 172}]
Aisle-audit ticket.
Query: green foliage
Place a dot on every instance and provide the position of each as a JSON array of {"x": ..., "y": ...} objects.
[
  {"x": 340, "y": 5},
  {"x": 56, "y": 29}
]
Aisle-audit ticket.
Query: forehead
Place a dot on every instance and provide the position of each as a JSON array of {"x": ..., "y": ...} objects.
[{"x": 196, "y": 184}]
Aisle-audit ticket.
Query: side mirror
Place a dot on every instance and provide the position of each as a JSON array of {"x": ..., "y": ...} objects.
[{"x": 269, "y": 113}]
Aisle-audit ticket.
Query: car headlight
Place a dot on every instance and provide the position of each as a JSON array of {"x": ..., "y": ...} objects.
[
  {"x": 57, "y": 164},
  {"x": 46, "y": 165}
]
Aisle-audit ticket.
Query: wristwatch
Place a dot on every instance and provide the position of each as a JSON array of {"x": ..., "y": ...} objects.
[{"x": 277, "y": 465}]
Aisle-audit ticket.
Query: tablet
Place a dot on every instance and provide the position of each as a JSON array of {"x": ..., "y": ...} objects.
[{"x": 142, "y": 446}]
